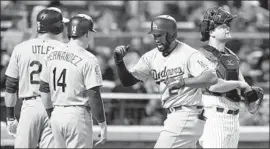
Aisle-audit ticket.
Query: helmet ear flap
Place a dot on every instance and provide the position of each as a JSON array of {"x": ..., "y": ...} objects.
[{"x": 171, "y": 37}]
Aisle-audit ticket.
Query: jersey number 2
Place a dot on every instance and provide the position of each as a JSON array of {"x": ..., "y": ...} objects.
[
  {"x": 32, "y": 81},
  {"x": 61, "y": 81}
]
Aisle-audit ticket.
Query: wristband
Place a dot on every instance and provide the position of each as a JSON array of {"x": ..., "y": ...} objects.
[{"x": 10, "y": 112}]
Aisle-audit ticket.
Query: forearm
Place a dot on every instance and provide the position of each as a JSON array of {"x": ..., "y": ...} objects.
[
  {"x": 10, "y": 101},
  {"x": 11, "y": 95},
  {"x": 96, "y": 105},
  {"x": 126, "y": 78},
  {"x": 204, "y": 80},
  {"x": 46, "y": 97},
  {"x": 224, "y": 86},
  {"x": 46, "y": 100}
]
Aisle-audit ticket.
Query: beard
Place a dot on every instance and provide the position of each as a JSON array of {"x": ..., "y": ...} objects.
[{"x": 162, "y": 47}]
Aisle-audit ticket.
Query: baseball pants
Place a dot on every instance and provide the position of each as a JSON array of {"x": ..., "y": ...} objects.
[
  {"x": 221, "y": 130},
  {"x": 72, "y": 127},
  {"x": 182, "y": 129},
  {"x": 33, "y": 129}
]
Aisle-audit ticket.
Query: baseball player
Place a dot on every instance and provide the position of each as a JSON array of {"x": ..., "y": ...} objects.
[
  {"x": 222, "y": 100},
  {"x": 23, "y": 74},
  {"x": 72, "y": 77},
  {"x": 180, "y": 71}
]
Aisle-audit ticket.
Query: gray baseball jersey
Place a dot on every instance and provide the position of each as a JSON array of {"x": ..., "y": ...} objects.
[
  {"x": 26, "y": 64},
  {"x": 184, "y": 61},
  {"x": 70, "y": 71}
]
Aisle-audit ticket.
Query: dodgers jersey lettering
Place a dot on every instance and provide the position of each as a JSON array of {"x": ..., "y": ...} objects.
[
  {"x": 26, "y": 64},
  {"x": 70, "y": 71},
  {"x": 184, "y": 61}
]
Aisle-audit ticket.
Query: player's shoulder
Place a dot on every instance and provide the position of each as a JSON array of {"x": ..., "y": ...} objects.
[
  {"x": 87, "y": 56},
  {"x": 151, "y": 53},
  {"x": 23, "y": 45},
  {"x": 188, "y": 50},
  {"x": 232, "y": 53},
  {"x": 188, "y": 47}
]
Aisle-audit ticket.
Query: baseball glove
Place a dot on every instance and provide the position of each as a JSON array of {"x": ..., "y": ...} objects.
[{"x": 254, "y": 99}]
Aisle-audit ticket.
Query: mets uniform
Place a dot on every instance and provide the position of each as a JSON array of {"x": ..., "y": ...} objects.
[
  {"x": 26, "y": 64},
  {"x": 70, "y": 72},
  {"x": 182, "y": 128},
  {"x": 222, "y": 126}
]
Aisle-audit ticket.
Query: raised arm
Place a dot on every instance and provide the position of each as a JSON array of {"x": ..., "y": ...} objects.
[{"x": 126, "y": 78}]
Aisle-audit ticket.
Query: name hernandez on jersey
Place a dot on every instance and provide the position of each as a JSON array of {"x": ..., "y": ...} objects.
[{"x": 66, "y": 56}]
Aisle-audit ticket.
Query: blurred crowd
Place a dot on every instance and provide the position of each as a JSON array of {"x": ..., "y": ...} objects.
[{"x": 116, "y": 17}]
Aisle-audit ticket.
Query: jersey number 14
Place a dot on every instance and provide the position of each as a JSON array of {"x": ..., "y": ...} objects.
[{"x": 61, "y": 81}]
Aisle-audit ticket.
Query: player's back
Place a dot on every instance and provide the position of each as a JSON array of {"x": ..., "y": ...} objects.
[
  {"x": 67, "y": 69},
  {"x": 29, "y": 57}
]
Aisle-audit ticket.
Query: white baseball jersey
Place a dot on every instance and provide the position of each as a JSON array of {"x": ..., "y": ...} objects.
[
  {"x": 184, "y": 61},
  {"x": 70, "y": 71},
  {"x": 26, "y": 64},
  {"x": 214, "y": 101}
]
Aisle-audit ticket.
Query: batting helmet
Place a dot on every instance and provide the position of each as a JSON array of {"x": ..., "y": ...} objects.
[
  {"x": 50, "y": 20},
  {"x": 212, "y": 18},
  {"x": 79, "y": 25},
  {"x": 164, "y": 24}
]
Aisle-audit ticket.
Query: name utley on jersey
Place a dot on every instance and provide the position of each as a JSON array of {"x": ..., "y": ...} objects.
[
  {"x": 26, "y": 64},
  {"x": 184, "y": 61},
  {"x": 70, "y": 71}
]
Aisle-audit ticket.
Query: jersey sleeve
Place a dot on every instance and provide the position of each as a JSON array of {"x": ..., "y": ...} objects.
[
  {"x": 197, "y": 64},
  {"x": 92, "y": 74},
  {"x": 141, "y": 70},
  {"x": 13, "y": 66},
  {"x": 44, "y": 76}
]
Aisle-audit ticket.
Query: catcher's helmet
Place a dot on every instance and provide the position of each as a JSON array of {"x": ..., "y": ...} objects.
[
  {"x": 50, "y": 20},
  {"x": 164, "y": 24},
  {"x": 79, "y": 25},
  {"x": 212, "y": 18}
]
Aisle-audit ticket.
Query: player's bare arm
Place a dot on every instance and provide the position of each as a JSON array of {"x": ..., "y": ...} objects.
[
  {"x": 207, "y": 78},
  {"x": 10, "y": 101},
  {"x": 126, "y": 78},
  {"x": 46, "y": 97},
  {"x": 97, "y": 108},
  {"x": 10, "y": 95},
  {"x": 227, "y": 85}
]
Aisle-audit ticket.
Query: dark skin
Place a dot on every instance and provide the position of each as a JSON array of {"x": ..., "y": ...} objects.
[{"x": 163, "y": 45}]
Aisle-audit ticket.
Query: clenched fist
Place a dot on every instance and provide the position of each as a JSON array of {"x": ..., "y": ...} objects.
[{"x": 119, "y": 53}]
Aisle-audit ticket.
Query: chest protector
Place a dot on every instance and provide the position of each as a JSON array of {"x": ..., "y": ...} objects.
[{"x": 227, "y": 68}]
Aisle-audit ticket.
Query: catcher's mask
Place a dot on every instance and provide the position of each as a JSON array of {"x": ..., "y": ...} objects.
[{"x": 214, "y": 17}]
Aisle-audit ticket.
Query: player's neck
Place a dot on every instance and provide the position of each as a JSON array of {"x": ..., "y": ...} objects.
[
  {"x": 77, "y": 42},
  {"x": 46, "y": 36},
  {"x": 218, "y": 45}
]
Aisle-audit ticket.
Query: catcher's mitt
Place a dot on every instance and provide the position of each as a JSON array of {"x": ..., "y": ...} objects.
[{"x": 254, "y": 99}]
